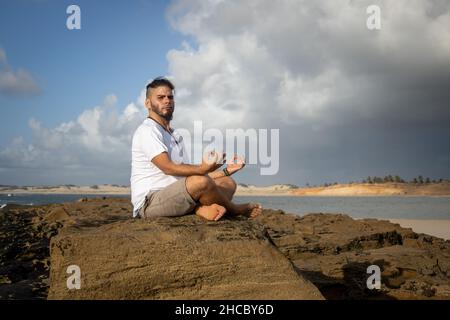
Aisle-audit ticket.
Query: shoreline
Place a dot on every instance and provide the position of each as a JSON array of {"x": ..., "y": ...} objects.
[
  {"x": 340, "y": 190},
  {"x": 256, "y": 194},
  {"x": 102, "y": 193},
  {"x": 435, "y": 227}
]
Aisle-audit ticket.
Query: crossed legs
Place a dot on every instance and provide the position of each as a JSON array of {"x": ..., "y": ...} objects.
[{"x": 215, "y": 198}]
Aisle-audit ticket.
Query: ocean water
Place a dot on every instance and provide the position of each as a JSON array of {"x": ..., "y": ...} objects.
[
  {"x": 39, "y": 199},
  {"x": 356, "y": 207},
  {"x": 360, "y": 207}
]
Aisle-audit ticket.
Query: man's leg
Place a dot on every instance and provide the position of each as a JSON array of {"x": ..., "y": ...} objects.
[
  {"x": 204, "y": 190},
  {"x": 172, "y": 201},
  {"x": 227, "y": 186}
]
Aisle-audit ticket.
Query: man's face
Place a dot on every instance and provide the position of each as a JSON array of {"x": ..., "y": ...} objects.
[{"x": 161, "y": 102}]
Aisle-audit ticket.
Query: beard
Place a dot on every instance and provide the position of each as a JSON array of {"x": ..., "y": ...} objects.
[{"x": 168, "y": 115}]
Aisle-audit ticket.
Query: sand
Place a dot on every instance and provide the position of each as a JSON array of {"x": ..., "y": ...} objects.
[
  {"x": 437, "y": 228},
  {"x": 377, "y": 189}
]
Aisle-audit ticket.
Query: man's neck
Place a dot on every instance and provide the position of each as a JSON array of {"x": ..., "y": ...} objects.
[{"x": 163, "y": 122}]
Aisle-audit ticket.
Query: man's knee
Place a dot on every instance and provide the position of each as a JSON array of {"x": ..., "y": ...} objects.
[
  {"x": 196, "y": 184},
  {"x": 228, "y": 183}
]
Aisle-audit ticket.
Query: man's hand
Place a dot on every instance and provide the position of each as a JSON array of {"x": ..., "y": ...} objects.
[
  {"x": 211, "y": 161},
  {"x": 236, "y": 164}
]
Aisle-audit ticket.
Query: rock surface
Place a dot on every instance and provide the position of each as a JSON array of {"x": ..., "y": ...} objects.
[
  {"x": 174, "y": 258},
  {"x": 276, "y": 256},
  {"x": 24, "y": 252},
  {"x": 333, "y": 251}
]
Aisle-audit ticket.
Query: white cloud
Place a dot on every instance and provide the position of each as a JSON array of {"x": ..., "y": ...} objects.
[
  {"x": 219, "y": 83},
  {"x": 314, "y": 70},
  {"x": 97, "y": 141},
  {"x": 15, "y": 83},
  {"x": 296, "y": 60}
]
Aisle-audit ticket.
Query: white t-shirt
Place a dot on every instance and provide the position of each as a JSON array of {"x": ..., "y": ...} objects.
[{"x": 149, "y": 140}]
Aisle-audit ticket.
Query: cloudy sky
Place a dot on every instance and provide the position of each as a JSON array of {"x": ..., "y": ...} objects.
[{"x": 348, "y": 101}]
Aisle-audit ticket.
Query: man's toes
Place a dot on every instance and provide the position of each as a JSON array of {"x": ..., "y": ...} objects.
[
  {"x": 219, "y": 215},
  {"x": 254, "y": 214},
  {"x": 220, "y": 212},
  {"x": 256, "y": 210}
]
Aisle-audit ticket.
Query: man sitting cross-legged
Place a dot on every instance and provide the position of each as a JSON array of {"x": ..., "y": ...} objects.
[{"x": 163, "y": 184}]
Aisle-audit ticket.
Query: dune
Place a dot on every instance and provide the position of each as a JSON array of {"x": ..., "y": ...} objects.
[{"x": 377, "y": 189}]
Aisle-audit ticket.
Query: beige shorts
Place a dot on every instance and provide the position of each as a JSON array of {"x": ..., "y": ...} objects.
[{"x": 172, "y": 201}]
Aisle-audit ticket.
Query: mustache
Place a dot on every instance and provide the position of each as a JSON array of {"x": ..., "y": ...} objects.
[
  {"x": 155, "y": 108},
  {"x": 167, "y": 116}
]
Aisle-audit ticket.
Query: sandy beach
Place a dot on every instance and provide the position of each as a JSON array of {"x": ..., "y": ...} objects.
[
  {"x": 437, "y": 228},
  {"x": 377, "y": 189}
]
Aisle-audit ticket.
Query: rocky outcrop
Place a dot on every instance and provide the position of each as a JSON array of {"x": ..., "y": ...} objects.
[
  {"x": 174, "y": 258},
  {"x": 276, "y": 256},
  {"x": 333, "y": 251},
  {"x": 24, "y": 252},
  {"x": 25, "y": 233}
]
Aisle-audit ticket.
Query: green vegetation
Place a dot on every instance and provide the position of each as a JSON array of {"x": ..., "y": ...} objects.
[
  {"x": 397, "y": 179},
  {"x": 389, "y": 179}
]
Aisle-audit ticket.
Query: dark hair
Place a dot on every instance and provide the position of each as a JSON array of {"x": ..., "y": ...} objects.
[{"x": 158, "y": 82}]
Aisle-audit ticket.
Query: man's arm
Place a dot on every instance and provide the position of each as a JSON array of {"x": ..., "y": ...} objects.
[
  {"x": 216, "y": 174},
  {"x": 163, "y": 162}
]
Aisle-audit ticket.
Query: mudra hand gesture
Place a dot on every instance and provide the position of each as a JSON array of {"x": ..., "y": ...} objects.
[
  {"x": 212, "y": 160},
  {"x": 236, "y": 164}
]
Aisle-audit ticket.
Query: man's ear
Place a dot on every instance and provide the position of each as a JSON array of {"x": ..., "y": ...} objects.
[{"x": 148, "y": 104}]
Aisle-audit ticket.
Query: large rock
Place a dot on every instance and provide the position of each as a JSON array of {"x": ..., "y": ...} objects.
[{"x": 172, "y": 258}]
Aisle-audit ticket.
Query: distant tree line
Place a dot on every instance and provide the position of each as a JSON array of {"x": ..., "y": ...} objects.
[
  {"x": 386, "y": 179},
  {"x": 389, "y": 178}
]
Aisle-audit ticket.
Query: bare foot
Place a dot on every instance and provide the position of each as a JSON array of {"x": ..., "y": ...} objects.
[
  {"x": 251, "y": 210},
  {"x": 212, "y": 212}
]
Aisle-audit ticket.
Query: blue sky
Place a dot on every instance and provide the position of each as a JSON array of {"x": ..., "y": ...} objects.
[
  {"x": 119, "y": 47},
  {"x": 348, "y": 102}
]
